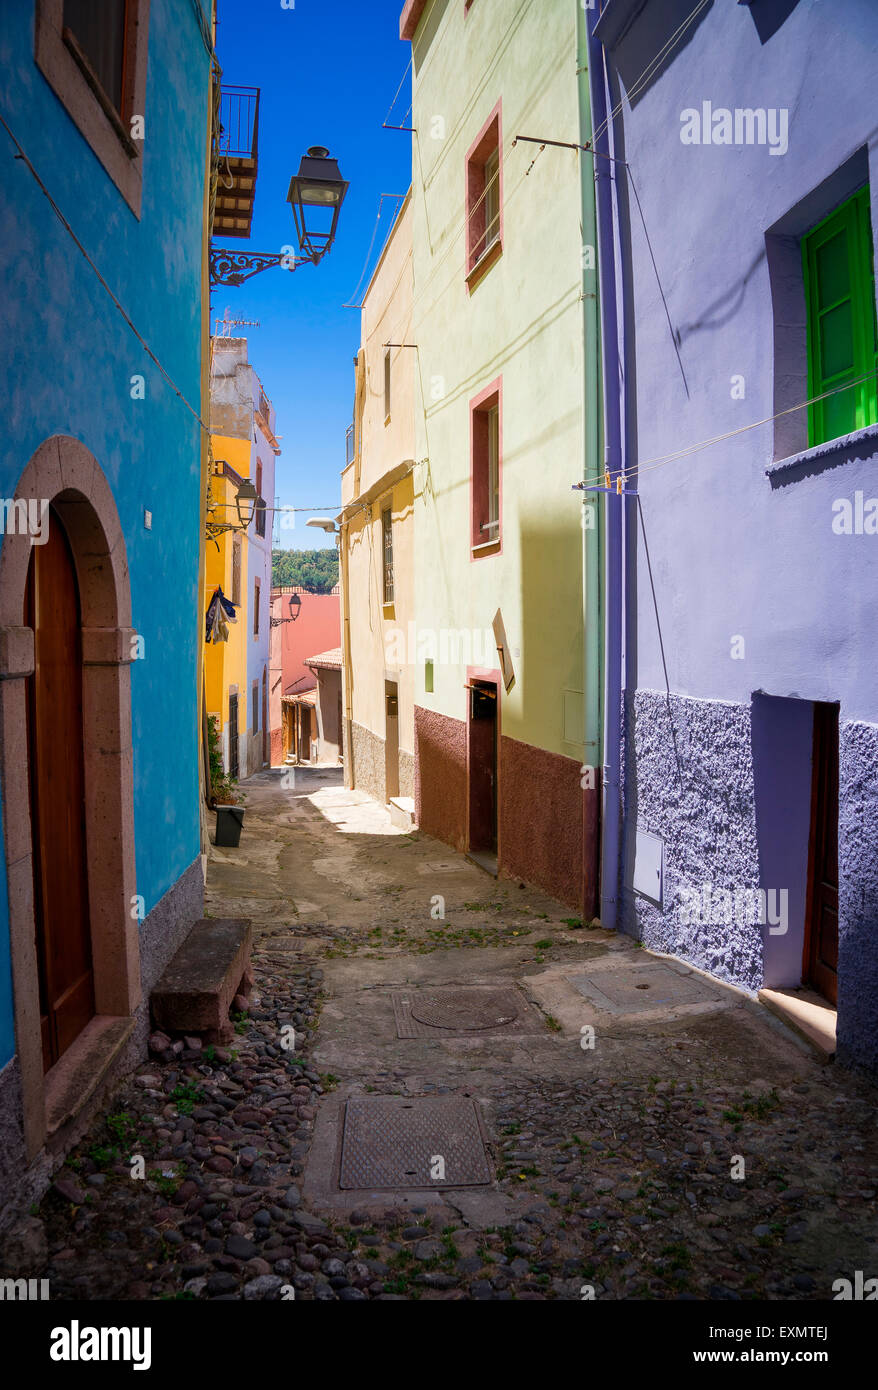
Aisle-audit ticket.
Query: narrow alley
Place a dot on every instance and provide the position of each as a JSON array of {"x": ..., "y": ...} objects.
[{"x": 582, "y": 1170}]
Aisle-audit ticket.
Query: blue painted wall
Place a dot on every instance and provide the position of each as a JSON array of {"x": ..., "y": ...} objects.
[
  {"x": 66, "y": 360},
  {"x": 735, "y": 551}
]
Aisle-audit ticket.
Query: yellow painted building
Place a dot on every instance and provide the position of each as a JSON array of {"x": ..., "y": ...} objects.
[
  {"x": 238, "y": 561},
  {"x": 377, "y": 538}
]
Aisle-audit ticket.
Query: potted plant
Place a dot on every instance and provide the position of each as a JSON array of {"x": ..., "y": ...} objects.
[{"x": 224, "y": 796}]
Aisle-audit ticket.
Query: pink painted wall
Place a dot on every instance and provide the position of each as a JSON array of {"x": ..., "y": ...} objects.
[{"x": 316, "y": 629}]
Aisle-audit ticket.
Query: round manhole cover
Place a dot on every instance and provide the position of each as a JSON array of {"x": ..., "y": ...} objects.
[{"x": 469, "y": 1011}]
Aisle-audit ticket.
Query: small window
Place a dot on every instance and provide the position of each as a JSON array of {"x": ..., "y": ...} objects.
[
  {"x": 486, "y": 468},
  {"x": 93, "y": 54},
  {"x": 386, "y": 385},
  {"x": 257, "y": 589},
  {"x": 428, "y": 676},
  {"x": 842, "y": 338},
  {"x": 387, "y": 534},
  {"x": 255, "y": 708},
  {"x": 236, "y": 570},
  {"x": 97, "y": 35},
  {"x": 260, "y": 503},
  {"x": 484, "y": 197}
]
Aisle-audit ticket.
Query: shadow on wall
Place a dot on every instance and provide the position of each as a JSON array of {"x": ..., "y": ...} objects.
[
  {"x": 542, "y": 802},
  {"x": 769, "y": 15},
  {"x": 654, "y": 28}
]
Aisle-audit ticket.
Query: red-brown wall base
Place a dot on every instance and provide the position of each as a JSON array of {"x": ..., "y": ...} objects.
[
  {"x": 440, "y": 776},
  {"x": 548, "y": 823}
]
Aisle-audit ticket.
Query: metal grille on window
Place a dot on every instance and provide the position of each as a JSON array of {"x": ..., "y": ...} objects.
[
  {"x": 492, "y": 199},
  {"x": 492, "y": 524},
  {"x": 387, "y": 532},
  {"x": 236, "y": 570}
]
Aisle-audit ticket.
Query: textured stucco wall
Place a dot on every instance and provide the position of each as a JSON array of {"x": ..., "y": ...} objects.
[
  {"x": 66, "y": 363},
  {"x": 689, "y": 777},
  {"x": 731, "y": 559},
  {"x": 440, "y": 776},
  {"x": 368, "y": 762},
  {"x": 858, "y": 896},
  {"x": 406, "y": 773},
  {"x": 541, "y": 820}
]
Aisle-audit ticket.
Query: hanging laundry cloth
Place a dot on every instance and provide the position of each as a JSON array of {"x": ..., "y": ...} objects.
[{"x": 220, "y": 613}]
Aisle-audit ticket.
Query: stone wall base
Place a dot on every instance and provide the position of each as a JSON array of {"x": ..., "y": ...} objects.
[{"x": 161, "y": 934}]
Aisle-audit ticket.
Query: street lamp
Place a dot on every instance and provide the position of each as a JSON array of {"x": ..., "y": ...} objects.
[
  {"x": 295, "y": 607},
  {"x": 317, "y": 187},
  {"x": 247, "y": 500},
  {"x": 325, "y": 523},
  {"x": 245, "y": 503}
]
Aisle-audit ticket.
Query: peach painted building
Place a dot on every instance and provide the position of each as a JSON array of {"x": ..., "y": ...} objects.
[{"x": 302, "y": 625}]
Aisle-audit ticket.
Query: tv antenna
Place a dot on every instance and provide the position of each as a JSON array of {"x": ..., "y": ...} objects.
[{"x": 222, "y": 328}]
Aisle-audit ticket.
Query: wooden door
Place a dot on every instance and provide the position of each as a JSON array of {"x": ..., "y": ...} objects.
[
  {"x": 820, "y": 965},
  {"x": 57, "y": 795},
  {"x": 233, "y": 735},
  {"x": 266, "y": 746}
]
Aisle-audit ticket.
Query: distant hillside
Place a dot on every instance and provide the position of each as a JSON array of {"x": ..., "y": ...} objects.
[{"x": 314, "y": 570}]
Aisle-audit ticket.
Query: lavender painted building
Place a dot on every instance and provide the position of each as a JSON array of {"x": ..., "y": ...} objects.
[{"x": 738, "y": 266}]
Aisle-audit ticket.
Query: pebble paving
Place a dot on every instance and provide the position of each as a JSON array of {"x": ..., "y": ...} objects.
[{"x": 621, "y": 1184}]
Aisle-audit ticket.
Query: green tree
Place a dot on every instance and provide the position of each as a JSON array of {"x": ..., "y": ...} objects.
[{"x": 316, "y": 571}]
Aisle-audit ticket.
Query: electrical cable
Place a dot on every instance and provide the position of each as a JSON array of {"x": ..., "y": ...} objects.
[
  {"x": 67, "y": 227},
  {"x": 659, "y": 461}
]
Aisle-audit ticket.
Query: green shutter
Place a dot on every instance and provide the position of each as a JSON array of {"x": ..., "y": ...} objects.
[{"x": 842, "y": 334}]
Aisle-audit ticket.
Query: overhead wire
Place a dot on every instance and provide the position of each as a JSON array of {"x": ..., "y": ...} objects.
[{"x": 659, "y": 461}]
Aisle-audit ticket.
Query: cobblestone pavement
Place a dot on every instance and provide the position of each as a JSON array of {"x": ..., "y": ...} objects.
[{"x": 692, "y": 1152}]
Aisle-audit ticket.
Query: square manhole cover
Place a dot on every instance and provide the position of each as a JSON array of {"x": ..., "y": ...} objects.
[
  {"x": 470, "y": 1011},
  {"x": 398, "y": 1142},
  {"x": 639, "y": 988}
]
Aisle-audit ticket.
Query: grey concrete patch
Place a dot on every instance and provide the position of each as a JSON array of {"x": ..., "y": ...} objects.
[{"x": 642, "y": 988}]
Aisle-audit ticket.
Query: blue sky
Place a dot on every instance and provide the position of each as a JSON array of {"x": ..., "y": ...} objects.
[{"x": 327, "y": 73}]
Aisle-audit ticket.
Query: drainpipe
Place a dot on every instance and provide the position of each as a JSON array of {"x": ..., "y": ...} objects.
[
  {"x": 611, "y": 811},
  {"x": 592, "y": 540}
]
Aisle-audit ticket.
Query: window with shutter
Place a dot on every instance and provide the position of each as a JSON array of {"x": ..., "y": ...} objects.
[{"x": 842, "y": 339}]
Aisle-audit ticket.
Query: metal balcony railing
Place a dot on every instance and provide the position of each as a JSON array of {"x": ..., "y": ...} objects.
[{"x": 239, "y": 122}]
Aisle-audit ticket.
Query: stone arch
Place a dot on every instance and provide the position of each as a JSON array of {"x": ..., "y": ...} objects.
[{"x": 64, "y": 473}]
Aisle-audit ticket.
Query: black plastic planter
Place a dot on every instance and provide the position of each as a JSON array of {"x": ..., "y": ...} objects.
[{"x": 229, "y": 821}]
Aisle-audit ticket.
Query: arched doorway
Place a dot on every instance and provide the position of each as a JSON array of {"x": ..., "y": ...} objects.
[
  {"x": 56, "y": 768},
  {"x": 66, "y": 760}
]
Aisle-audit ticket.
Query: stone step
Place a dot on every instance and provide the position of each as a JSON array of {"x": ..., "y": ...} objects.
[
  {"x": 196, "y": 991},
  {"x": 402, "y": 811},
  {"x": 809, "y": 1015}
]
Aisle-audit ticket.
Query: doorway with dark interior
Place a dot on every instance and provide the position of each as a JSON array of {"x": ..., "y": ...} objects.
[
  {"x": 482, "y": 771},
  {"x": 391, "y": 740},
  {"x": 820, "y": 956}
]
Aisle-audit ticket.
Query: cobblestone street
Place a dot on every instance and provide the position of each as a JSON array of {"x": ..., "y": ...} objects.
[{"x": 615, "y": 1169}]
